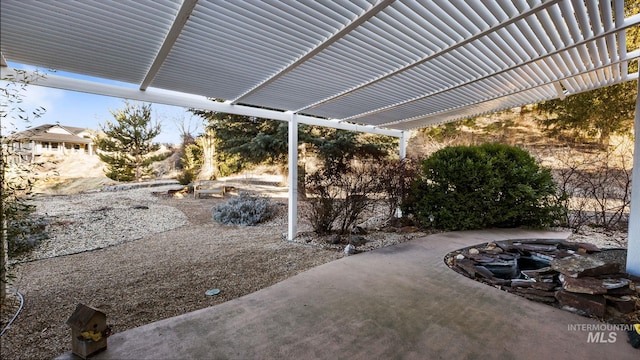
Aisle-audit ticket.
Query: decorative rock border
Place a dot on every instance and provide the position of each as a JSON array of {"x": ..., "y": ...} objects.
[{"x": 578, "y": 277}]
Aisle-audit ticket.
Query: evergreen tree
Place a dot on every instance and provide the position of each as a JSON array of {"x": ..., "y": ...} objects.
[
  {"x": 602, "y": 112},
  {"x": 597, "y": 113},
  {"x": 337, "y": 148},
  {"x": 258, "y": 141},
  {"x": 255, "y": 140},
  {"x": 127, "y": 142}
]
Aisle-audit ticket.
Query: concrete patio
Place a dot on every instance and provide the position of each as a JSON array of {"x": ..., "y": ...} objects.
[{"x": 397, "y": 302}]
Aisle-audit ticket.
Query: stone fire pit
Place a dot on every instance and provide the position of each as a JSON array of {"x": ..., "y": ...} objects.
[{"x": 578, "y": 277}]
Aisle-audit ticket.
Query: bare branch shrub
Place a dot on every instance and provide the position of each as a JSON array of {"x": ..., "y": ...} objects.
[
  {"x": 340, "y": 199},
  {"x": 395, "y": 177},
  {"x": 18, "y": 230},
  {"x": 597, "y": 185}
]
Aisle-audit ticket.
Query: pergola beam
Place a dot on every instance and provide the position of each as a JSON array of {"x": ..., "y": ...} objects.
[
  {"x": 440, "y": 53},
  {"x": 442, "y": 113},
  {"x": 180, "y": 99},
  {"x": 176, "y": 28},
  {"x": 200, "y": 102}
]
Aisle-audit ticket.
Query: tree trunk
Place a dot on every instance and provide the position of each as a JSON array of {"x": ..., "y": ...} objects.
[
  {"x": 139, "y": 166},
  {"x": 302, "y": 185},
  {"x": 209, "y": 169},
  {"x": 603, "y": 139},
  {"x": 4, "y": 257},
  {"x": 4, "y": 253}
]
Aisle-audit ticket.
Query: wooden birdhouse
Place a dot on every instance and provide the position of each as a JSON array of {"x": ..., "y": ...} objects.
[{"x": 89, "y": 330}]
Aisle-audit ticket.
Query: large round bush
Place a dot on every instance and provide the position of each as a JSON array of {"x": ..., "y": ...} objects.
[{"x": 489, "y": 185}]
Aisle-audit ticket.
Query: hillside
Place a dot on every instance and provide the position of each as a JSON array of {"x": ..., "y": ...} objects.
[
  {"x": 69, "y": 174},
  {"x": 513, "y": 127},
  {"x": 519, "y": 127},
  {"x": 77, "y": 173}
]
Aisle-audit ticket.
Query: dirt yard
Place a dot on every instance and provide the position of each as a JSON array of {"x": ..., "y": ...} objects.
[
  {"x": 157, "y": 276},
  {"x": 153, "y": 278}
]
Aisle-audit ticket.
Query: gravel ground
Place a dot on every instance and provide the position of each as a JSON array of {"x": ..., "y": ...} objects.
[
  {"x": 143, "y": 258},
  {"x": 110, "y": 218}
]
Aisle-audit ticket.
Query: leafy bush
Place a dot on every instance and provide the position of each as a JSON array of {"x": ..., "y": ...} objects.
[
  {"x": 23, "y": 230},
  {"x": 490, "y": 185},
  {"x": 245, "y": 209},
  {"x": 157, "y": 157},
  {"x": 185, "y": 177}
]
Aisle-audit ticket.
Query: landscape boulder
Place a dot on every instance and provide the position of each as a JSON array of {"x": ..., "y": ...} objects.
[{"x": 583, "y": 265}]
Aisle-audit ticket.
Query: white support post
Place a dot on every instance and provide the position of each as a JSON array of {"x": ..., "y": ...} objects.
[
  {"x": 403, "y": 145},
  {"x": 633, "y": 240},
  {"x": 293, "y": 178},
  {"x": 403, "y": 154}
]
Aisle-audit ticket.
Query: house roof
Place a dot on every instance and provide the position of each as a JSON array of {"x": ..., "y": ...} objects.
[
  {"x": 390, "y": 64},
  {"x": 41, "y": 133},
  {"x": 82, "y": 315}
]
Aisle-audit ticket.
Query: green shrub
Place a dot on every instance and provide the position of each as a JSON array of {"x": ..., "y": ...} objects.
[
  {"x": 190, "y": 162},
  {"x": 245, "y": 209},
  {"x": 24, "y": 235},
  {"x": 119, "y": 169},
  {"x": 490, "y": 185},
  {"x": 157, "y": 157},
  {"x": 185, "y": 177}
]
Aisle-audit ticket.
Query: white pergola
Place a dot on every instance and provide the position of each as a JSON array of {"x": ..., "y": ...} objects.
[{"x": 378, "y": 66}]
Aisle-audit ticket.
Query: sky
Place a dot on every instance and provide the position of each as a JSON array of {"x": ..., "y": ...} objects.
[{"x": 89, "y": 111}]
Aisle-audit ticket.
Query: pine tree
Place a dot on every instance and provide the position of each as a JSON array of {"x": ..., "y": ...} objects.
[
  {"x": 127, "y": 142},
  {"x": 597, "y": 113},
  {"x": 258, "y": 141}
]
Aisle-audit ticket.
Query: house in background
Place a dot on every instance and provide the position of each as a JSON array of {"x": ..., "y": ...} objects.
[{"x": 50, "y": 139}]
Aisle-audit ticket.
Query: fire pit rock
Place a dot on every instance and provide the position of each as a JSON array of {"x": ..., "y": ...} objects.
[{"x": 578, "y": 277}]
